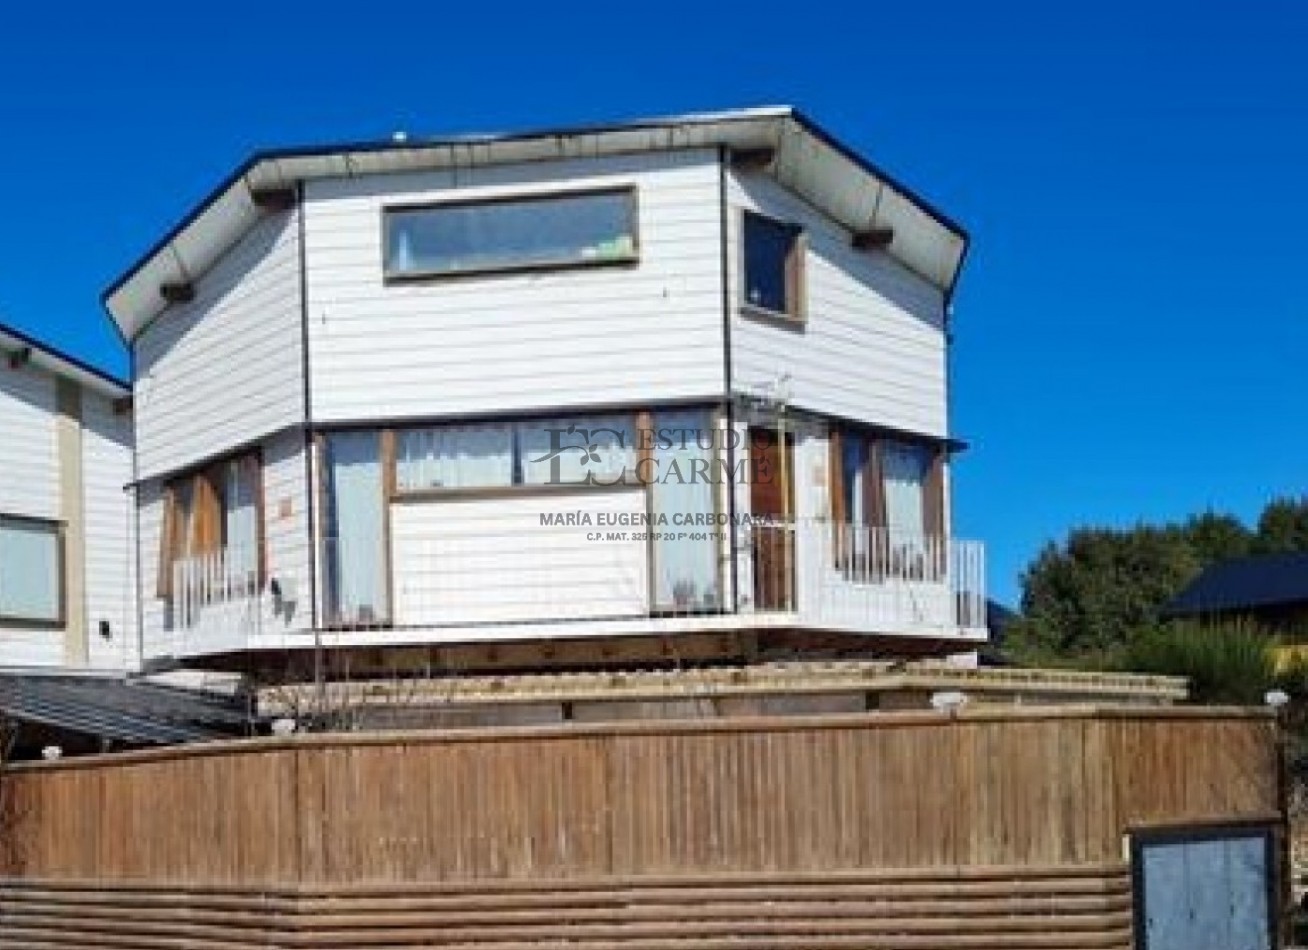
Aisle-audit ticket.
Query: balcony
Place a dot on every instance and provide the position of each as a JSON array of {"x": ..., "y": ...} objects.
[{"x": 455, "y": 578}]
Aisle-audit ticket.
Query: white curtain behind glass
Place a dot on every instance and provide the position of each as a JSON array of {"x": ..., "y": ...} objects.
[
  {"x": 355, "y": 543},
  {"x": 685, "y": 553},
  {"x": 240, "y": 515},
  {"x": 29, "y": 571},
  {"x": 602, "y": 447},
  {"x": 905, "y": 471},
  {"x": 454, "y": 457}
]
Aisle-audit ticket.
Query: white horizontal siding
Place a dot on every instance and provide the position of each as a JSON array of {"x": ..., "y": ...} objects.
[
  {"x": 504, "y": 343},
  {"x": 154, "y": 635},
  {"x": 286, "y": 499},
  {"x": 873, "y": 347},
  {"x": 226, "y": 368},
  {"x": 108, "y": 512},
  {"x": 29, "y": 459},
  {"x": 29, "y": 485},
  {"x": 483, "y": 561}
]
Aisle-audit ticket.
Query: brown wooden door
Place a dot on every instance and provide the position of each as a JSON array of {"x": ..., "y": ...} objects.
[{"x": 772, "y": 505}]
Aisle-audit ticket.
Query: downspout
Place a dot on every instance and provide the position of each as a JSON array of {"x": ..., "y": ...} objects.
[
  {"x": 725, "y": 272},
  {"x": 310, "y": 488},
  {"x": 135, "y": 488}
]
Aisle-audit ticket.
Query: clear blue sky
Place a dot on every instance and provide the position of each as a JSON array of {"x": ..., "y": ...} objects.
[{"x": 1132, "y": 329}]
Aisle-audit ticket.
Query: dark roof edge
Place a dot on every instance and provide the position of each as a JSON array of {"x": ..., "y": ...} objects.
[
  {"x": 27, "y": 339},
  {"x": 312, "y": 151}
]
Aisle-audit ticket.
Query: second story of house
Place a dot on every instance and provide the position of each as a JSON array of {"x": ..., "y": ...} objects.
[
  {"x": 339, "y": 341},
  {"x": 666, "y": 261},
  {"x": 66, "y": 552}
]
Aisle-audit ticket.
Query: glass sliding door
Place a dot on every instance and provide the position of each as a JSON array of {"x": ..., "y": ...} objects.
[
  {"x": 684, "y": 492},
  {"x": 355, "y": 529}
]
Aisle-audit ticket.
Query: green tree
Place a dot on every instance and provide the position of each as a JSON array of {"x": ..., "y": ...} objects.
[
  {"x": 1084, "y": 597},
  {"x": 1217, "y": 537},
  {"x": 1283, "y": 526}
]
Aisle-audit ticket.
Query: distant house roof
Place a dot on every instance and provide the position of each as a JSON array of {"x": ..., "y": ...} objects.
[
  {"x": 1268, "y": 580},
  {"x": 15, "y": 342},
  {"x": 804, "y": 157},
  {"x": 127, "y": 711}
]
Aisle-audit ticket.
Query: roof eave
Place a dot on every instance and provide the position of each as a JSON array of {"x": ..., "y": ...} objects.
[
  {"x": 64, "y": 364},
  {"x": 133, "y": 300}
]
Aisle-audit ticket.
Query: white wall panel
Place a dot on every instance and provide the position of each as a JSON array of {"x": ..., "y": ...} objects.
[
  {"x": 226, "y": 368},
  {"x": 503, "y": 343},
  {"x": 873, "y": 346}
]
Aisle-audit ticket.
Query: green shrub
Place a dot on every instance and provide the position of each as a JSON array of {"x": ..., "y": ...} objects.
[{"x": 1232, "y": 663}]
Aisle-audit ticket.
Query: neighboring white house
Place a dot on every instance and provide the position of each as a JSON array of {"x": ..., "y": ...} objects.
[
  {"x": 530, "y": 387},
  {"x": 66, "y": 513}
]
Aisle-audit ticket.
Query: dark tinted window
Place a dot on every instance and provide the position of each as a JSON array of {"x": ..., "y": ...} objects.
[{"x": 770, "y": 265}]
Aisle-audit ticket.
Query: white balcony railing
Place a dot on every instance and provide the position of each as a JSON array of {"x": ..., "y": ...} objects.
[
  {"x": 227, "y": 579},
  {"x": 818, "y": 573},
  {"x": 805, "y": 573}
]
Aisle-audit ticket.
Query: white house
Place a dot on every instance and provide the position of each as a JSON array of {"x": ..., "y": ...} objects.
[
  {"x": 66, "y": 551},
  {"x": 531, "y": 389}
]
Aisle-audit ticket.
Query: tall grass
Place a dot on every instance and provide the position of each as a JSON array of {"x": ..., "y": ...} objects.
[{"x": 1232, "y": 663}]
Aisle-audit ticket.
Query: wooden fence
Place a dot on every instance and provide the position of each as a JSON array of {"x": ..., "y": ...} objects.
[{"x": 985, "y": 828}]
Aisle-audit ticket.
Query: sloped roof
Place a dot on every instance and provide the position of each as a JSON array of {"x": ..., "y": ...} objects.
[
  {"x": 129, "y": 711},
  {"x": 1268, "y": 580},
  {"x": 13, "y": 340},
  {"x": 807, "y": 159}
]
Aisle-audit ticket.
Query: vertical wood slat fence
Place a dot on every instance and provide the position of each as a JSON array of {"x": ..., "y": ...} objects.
[{"x": 985, "y": 828}]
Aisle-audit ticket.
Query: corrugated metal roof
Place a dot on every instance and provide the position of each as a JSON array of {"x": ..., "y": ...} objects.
[
  {"x": 808, "y": 160},
  {"x": 1269, "y": 580},
  {"x": 130, "y": 711}
]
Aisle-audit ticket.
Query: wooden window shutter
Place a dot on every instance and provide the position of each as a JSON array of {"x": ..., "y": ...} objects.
[
  {"x": 835, "y": 442},
  {"x": 839, "y": 516},
  {"x": 874, "y": 486},
  {"x": 933, "y": 501},
  {"x": 207, "y": 521}
]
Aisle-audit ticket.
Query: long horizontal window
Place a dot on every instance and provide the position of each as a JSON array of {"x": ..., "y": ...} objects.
[
  {"x": 561, "y": 230},
  {"x": 596, "y": 450},
  {"x": 31, "y": 571}
]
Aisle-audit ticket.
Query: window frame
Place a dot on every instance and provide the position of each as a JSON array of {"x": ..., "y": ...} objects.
[
  {"x": 61, "y": 568},
  {"x": 642, "y": 419},
  {"x": 876, "y": 516},
  {"x": 211, "y": 473},
  {"x": 794, "y": 271},
  {"x": 628, "y": 190}
]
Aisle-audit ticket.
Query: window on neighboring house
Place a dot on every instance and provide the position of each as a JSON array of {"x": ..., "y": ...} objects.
[
  {"x": 31, "y": 571},
  {"x": 773, "y": 266},
  {"x": 557, "y": 230},
  {"x": 214, "y": 515}
]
